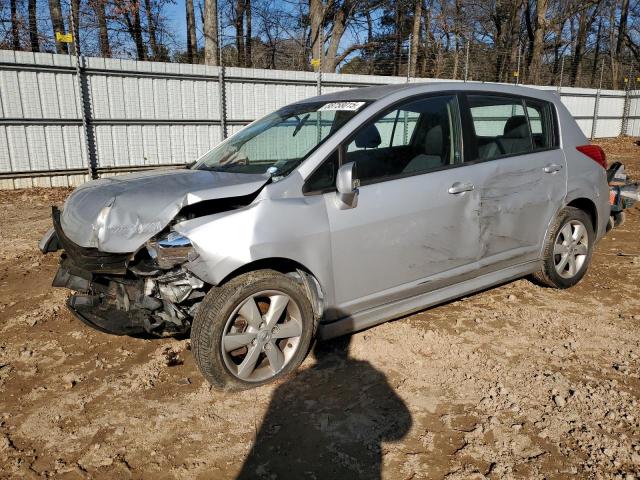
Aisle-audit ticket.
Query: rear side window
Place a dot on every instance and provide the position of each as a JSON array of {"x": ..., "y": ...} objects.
[{"x": 505, "y": 126}]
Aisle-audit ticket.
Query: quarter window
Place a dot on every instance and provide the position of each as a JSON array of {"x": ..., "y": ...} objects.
[{"x": 540, "y": 119}]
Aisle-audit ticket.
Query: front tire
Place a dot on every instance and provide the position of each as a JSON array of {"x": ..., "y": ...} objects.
[
  {"x": 252, "y": 330},
  {"x": 567, "y": 250}
]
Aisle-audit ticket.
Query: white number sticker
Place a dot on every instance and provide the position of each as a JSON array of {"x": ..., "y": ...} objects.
[{"x": 347, "y": 106}]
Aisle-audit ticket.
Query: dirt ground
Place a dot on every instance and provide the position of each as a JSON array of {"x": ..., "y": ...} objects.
[{"x": 514, "y": 382}]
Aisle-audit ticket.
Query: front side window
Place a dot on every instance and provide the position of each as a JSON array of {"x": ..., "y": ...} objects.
[
  {"x": 279, "y": 142},
  {"x": 501, "y": 126},
  {"x": 416, "y": 137}
]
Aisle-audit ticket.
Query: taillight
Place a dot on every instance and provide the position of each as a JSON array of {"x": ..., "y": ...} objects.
[{"x": 595, "y": 153}]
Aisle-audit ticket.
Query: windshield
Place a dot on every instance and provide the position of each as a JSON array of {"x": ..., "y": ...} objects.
[{"x": 279, "y": 142}]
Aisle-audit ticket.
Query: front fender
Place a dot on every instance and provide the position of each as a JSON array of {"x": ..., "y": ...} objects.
[{"x": 296, "y": 229}]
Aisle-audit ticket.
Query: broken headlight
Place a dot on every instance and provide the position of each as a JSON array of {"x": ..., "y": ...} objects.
[{"x": 170, "y": 250}]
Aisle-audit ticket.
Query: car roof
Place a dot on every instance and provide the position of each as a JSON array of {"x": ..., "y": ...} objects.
[{"x": 379, "y": 92}]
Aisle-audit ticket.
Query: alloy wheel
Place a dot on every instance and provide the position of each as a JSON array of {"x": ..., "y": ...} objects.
[
  {"x": 261, "y": 335},
  {"x": 570, "y": 249}
]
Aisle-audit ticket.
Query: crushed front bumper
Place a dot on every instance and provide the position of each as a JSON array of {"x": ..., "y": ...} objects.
[{"x": 120, "y": 293}]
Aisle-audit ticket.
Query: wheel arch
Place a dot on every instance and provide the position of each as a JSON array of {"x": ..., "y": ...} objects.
[
  {"x": 312, "y": 286},
  {"x": 589, "y": 207}
]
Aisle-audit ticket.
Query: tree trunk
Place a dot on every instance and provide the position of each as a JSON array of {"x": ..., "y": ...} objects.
[
  {"x": 103, "y": 32},
  {"x": 239, "y": 20},
  {"x": 585, "y": 20},
  {"x": 247, "y": 49},
  {"x": 397, "y": 42},
  {"x": 596, "y": 54},
  {"x": 135, "y": 28},
  {"x": 316, "y": 20},
  {"x": 339, "y": 26},
  {"x": 538, "y": 42},
  {"x": 192, "y": 44},
  {"x": 151, "y": 27},
  {"x": 456, "y": 36},
  {"x": 427, "y": 39},
  {"x": 415, "y": 37},
  {"x": 211, "y": 32},
  {"x": 55, "y": 10},
  {"x": 33, "y": 27},
  {"x": 15, "y": 28},
  {"x": 622, "y": 33},
  {"x": 369, "y": 50},
  {"x": 75, "y": 12}
]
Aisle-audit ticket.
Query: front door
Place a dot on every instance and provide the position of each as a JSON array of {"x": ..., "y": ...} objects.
[{"x": 415, "y": 226}]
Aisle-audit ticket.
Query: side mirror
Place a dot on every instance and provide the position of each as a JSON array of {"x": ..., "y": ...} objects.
[{"x": 347, "y": 185}]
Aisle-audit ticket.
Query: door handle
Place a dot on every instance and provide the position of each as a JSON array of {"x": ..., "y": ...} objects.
[
  {"x": 552, "y": 168},
  {"x": 460, "y": 188}
]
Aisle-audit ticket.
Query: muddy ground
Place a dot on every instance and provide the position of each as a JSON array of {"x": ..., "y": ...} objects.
[{"x": 514, "y": 382}]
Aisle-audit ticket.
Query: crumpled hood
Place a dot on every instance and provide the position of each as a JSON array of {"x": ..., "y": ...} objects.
[{"x": 118, "y": 214}]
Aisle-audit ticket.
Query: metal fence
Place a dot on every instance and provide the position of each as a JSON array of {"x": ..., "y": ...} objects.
[{"x": 63, "y": 123}]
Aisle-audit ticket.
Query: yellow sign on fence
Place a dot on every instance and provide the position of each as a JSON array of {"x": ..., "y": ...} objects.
[
  {"x": 64, "y": 37},
  {"x": 315, "y": 62}
]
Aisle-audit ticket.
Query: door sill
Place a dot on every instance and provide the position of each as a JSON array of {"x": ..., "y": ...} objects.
[{"x": 383, "y": 313}]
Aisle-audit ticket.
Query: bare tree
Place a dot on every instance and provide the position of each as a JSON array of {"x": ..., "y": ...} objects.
[
  {"x": 211, "y": 32},
  {"x": 98, "y": 7},
  {"x": 192, "y": 43},
  {"x": 415, "y": 36},
  {"x": 34, "y": 39},
  {"x": 129, "y": 12},
  {"x": 15, "y": 25},
  {"x": 239, "y": 25},
  {"x": 75, "y": 23},
  {"x": 57, "y": 22},
  {"x": 586, "y": 15},
  {"x": 247, "y": 44},
  {"x": 536, "y": 36},
  {"x": 151, "y": 29},
  {"x": 620, "y": 42}
]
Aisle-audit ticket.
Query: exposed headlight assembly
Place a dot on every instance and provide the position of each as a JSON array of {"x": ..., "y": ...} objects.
[{"x": 170, "y": 250}]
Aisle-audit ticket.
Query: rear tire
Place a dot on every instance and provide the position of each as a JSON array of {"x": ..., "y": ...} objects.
[
  {"x": 567, "y": 250},
  {"x": 252, "y": 330}
]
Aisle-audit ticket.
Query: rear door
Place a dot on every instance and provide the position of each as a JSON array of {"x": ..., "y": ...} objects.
[{"x": 525, "y": 184}]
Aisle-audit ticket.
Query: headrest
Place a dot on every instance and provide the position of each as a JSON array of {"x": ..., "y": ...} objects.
[
  {"x": 516, "y": 127},
  {"x": 433, "y": 141},
  {"x": 368, "y": 137}
]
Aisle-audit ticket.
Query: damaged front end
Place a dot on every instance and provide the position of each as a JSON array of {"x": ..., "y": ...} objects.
[{"x": 147, "y": 291}]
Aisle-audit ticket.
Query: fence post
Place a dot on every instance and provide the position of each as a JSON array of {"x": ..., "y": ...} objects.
[
  {"x": 625, "y": 109},
  {"x": 518, "y": 65},
  {"x": 594, "y": 123},
  {"x": 561, "y": 74},
  {"x": 409, "y": 60},
  {"x": 466, "y": 62},
  {"x": 85, "y": 107},
  {"x": 222, "y": 90},
  {"x": 320, "y": 55}
]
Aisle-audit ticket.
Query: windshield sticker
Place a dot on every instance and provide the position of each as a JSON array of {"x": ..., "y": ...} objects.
[{"x": 346, "y": 106}]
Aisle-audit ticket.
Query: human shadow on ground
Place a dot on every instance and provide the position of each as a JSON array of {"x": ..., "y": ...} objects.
[{"x": 329, "y": 421}]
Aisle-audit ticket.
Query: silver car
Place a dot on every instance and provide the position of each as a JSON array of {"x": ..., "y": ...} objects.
[{"x": 332, "y": 215}]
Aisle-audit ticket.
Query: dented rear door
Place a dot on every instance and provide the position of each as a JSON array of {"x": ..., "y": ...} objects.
[
  {"x": 520, "y": 196},
  {"x": 525, "y": 181}
]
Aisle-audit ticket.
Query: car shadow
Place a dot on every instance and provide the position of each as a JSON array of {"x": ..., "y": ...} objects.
[{"x": 328, "y": 421}]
